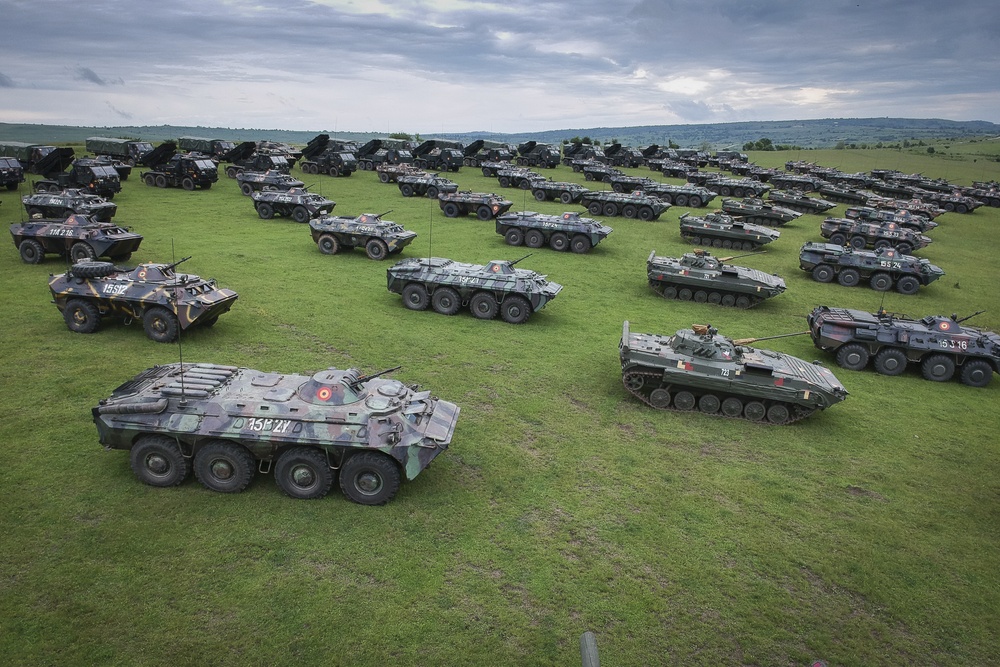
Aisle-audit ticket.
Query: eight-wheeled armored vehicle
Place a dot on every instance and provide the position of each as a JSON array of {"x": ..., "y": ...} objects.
[
  {"x": 297, "y": 203},
  {"x": 77, "y": 237},
  {"x": 700, "y": 277},
  {"x": 485, "y": 205},
  {"x": 61, "y": 205},
  {"x": 722, "y": 231},
  {"x": 380, "y": 238},
  {"x": 735, "y": 187},
  {"x": 517, "y": 177},
  {"x": 882, "y": 268},
  {"x": 699, "y": 369},
  {"x": 628, "y": 204},
  {"x": 561, "y": 232},
  {"x": 860, "y": 235},
  {"x": 903, "y": 218},
  {"x": 688, "y": 194}
]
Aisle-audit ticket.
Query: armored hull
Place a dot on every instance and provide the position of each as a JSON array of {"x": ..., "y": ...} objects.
[
  {"x": 561, "y": 232},
  {"x": 629, "y": 205},
  {"x": 380, "y": 238},
  {"x": 758, "y": 212},
  {"x": 883, "y": 269},
  {"x": 485, "y": 205},
  {"x": 69, "y": 202},
  {"x": 736, "y": 187},
  {"x": 859, "y": 235},
  {"x": 268, "y": 181},
  {"x": 298, "y": 204},
  {"x": 903, "y": 218},
  {"x": 230, "y": 421},
  {"x": 700, "y": 277},
  {"x": 694, "y": 196},
  {"x": 422, "y": 184},
  {"x": 698, "y": 369},
  {"x": 77, "y": 237},
  {"x": 721, "y": 231},
  {"x": 567, "y": 193},
  {"x": 799, "y": 202}
]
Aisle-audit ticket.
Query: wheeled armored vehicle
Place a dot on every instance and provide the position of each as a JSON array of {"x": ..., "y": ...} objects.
[
  {"x": 699, "y": 369},
  {"x": 796, "y": 182},
  {"x": 496, "y": 288},
  {"x": 484, "y": 205},
  {"x": 421, "y": 184},
  {"x": 626, "y": 183},
  {"x": 859, "y": 235},
  {"x": 77, "y": 237},
  {"x": 882, "y": 268},
  {"x": 799, "y": 201},
  {"x": 298, "y": 204},
  {"x": 940, "y": 345},
  {"x": 380, "y": 238},
  {"x": 672, "y": 168},
  {"x": 700, "y": 277},
  {"x": 565, "y": 192},
  {"x": 517, "y": 177},
  {"x": 165, "y": 301},
  {"x": 267, "y": 181},
  {"x": 759, "y": 212},
  {"x": 902, "y": 218},
  {"x": 390, "y": 173},
  {"x": 61, "y": 205},
  {"x": 561, "y": 232},
  {"x": 227, "y": 422},
  {"x": 598, "y": 171},
  {"x": 630, "y": 205},
  {"x": 722, "y": 231}
]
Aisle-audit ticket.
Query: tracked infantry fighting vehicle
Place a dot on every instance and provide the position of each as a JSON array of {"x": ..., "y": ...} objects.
[
  {"x": 859, "y": 235},
  {"x": 561, "y": 232},
  {"x": 484, "y": 205},
  {"x": 227, "y": 422},
  {"x": 700, "y": 277},
  {"x": 736, "y": 187},
  {"x": 940, "y": 345},
  {"x": 699, "y": 369},
  {"x": 164, "y": 301},
  {"x": 61, "y": 205},
  {"x": 496, "y": 288},
  {"x": 77, "y": 237},
  {"x": 298, "y": 204},
  {"x": 799, "y": 201},
  {"x": 630, "y": 205},
  {"x": 380, "y": 238},
  {"x": 266, "y": 181},
  {"x": 721, "y": 231},
  {"x": 759, "y": 212},
  {"x": 882, "y": 269}
]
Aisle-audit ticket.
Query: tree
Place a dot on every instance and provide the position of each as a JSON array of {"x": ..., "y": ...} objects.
[{"x": 401, "y": 135}]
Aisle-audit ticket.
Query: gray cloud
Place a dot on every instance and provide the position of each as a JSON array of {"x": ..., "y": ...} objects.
[{"x": 6, "y": 81}]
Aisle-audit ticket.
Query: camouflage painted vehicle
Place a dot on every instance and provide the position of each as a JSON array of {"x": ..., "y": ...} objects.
[
  {"x": 721, "y": 231},
  {"x": 517, "y": 177},
  {"x": 227, "y": 422},
  {"x": 984, "y": 191},
  {"x": 484, "y": 205},
  {"x": 845, "y": 195},
  {"x": 925, "y": 210},
  {"x": 700, "y": 277},
  {"x": 736, "y": 187},
  {"x": 267, "y": 181},
  {"x": 390, "y": 173},
  {"x": 796, "y": 182},
  {"x": 626, "y": 183},
  {"x": 165, "y": 301},
  {"x": 860, "y": 235},
  {"x": 699, "y": 369},
  {"x": 902, "y": 218},
  {"x": 496, "y": 288},
  {"x": 77, "y": 237},
  {"x": 298, "y": 204},
  {"x": 561, "y": 232},
  {"x": 688, "y": 194},
  {"x": 61, "y": 205},
  {"x": 11, "y": 173},
  {"x": 882, "y": 269},
  {"x": 421, "y": 184},
  {"x": 673, "y": 168},
  {"x": 799, "y": 201},
  {"x": 951, "y": 202},
  {"x": 598, "y": 171},
  {"x": 630, "y": 205},
  {"x": 565, "y": 192},
  {"x": 380, "y": 238},
  {"x": 940, "y": 345},
  {"x": 759, "y": 212}
]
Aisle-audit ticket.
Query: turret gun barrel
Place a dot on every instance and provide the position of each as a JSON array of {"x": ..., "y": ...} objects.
[
  {"x": 968, "y": 317},
  {"x": 747, "y": 341}
]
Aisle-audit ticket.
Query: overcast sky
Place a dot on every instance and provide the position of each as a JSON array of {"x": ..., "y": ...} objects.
[{"x": 506, "y": 66}]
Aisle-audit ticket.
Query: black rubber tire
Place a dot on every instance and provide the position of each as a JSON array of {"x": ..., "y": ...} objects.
[
  {"x": 161, "y": 181},
  {"x": 580, "y": 244},
  {"x": 595, "y": 208},
  {"x": 852, "y": 356},
  {"x": 406, "y": 189},
  {"x": 432, "y": 192},
  {"x": 149, "y": 180},
  {"x": 246, "y": 189},
  {"x": 484, "y": 212},
  {"x": 300, "y": 214},
  {"x": 681, "y": 200},
  {"x": 383, "y": 176},
  {"x": 890, "y": 361},
  {"x": 503, "y": 181},
  {"x": 265, "y": 211},
  {"x": 450, "y": 210},
  {"x": 303, "y": 473},
  {"x": 837, "y": 238},
  {"x": 559, "y": 241},
  {"x": 858, "y": 242},
  {"x": 156, "y": 460},
  {"x": 882, "y": 243},
  {"x": 31, "y": 251},
  {"x": 484, "y": 306},
  {"x": 539, "y": 195},
  {"x": 694, "y": 201},
  {"x": 224, "y": 467},
  {"x": 566, "y": 197},
  {"x": 231, "y": 172},
  {"x": 187, "y": 183},
  {"x": 534, "y": 238},
  {"x": 328, "y": 244},
  {"x": 849, "y": 277},
  {"x": 938, "y": 368},
  {"x": 160, "y": 324},
  {"x": 376, "y": 249},
  {"x": 334, "y": 171},
  {"x": 610, "y": 209},
  {"x": 415, "y": 297},
  {"x": 630, "y": 210},
  {"x": 646, "y": 213},
  {"x": 880, "y": 282},
  {"x": 908, "y": 285},
  {"x": 976, "y": 373},
  {"x": 823, "y": 273},
  {"x": 82, "y": 252},
  {"x": 515, "y": 309},
  {"x": 904, "y": 248},
  {"x": 81, "y": 316},
  {"x": 446, "y": 301},
  {"x": 369, "y": 478},
  {"x": 92, "y": 269},
  {"x": 514, "y": 236}
]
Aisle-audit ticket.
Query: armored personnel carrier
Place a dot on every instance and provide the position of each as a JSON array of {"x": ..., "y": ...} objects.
[
  {"x": 700, "y": 277},
  {"x": 517, "y": 177},
  {"x": 11, "y": 173},
  {"x": 940, "y": 345},
  {"x": 673, "y": 168},
  {"x": 688, "y": 194},
  {"x": 61, "y": 205},
  {"x": 759, "y": 212},
  {"x": 561, "y": 232},
  {"x": 598, "y": 171},
  {"x": 799, "y": 201},
  {"x": 484, "y": 205},
  {"x": 882, "y": 269},
  {"x": 227, "y": 422},
  {"x": 164, "y": 301},
  {"x": 380, "y": 238},
  {"x": 699, "y": 369},
  {"x": 902, "y": 218},
  {"x": 267, "y": 181},
  {"x": 77, "y": 237},
  {"x": 422, "y": 184},
  {"x": 860, "y": 234},
  {"x": 721, "y": 231},
  {"x": 496, "y": 288},
  {"x": 390, "y": 173},
  {"x": 298, "y": 204},
  {"x": 626, "y": 183},
  {"x": 951, "y": 202},
  {"x": 565, "y": 192},
  {"x": 630, "y": 205}
]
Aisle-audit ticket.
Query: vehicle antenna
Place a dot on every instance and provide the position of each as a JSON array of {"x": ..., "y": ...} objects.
[{"x": 180, "y": 349}]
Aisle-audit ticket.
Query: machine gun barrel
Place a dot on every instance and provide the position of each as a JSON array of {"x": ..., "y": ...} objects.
[
  {"x": 525, "y": 257},
  {"x": 170, "y": 267},
  {"x": 969, "y": 317},
  {"x": 365, "y": 378}
]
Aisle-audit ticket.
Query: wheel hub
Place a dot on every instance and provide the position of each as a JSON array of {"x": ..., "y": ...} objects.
[
  {"x": 156, "y": 464},
  {"x": 222, "y": 469},
  {"x": 368, "y": 482},
  {"x": 303, "y": 476}
]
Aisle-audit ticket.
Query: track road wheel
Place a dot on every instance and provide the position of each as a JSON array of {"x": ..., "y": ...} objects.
[
  {"x": 415, "y": 297},
  {"x": 938, "y": 368},
  {"x": 160, "y": 324},
  {"x": 853, "y": 356},
  {"x": 778, "y": 414},
  {"x": 446, "y": 301},
  {"x": 369, "y": 478},
  {"x": 265, "y": 211},
  {"x": 484, "y": 306},
  {"x": 732, "y": 407},
  {"x": 81, "y": 316},
  {"x": 82, "y": 252},
  {"x": 376, "y": 249},
  {"x": 303, "y": 473},
  {"x": 224, "y": 467},
  {"x": 709, "y": 404},
  {"x": 328, "y": 244},
  {"x": 890, "y": 361},
  {"x": 31, "y": 251},
  {"x": 685, "y": 400},
  {"x": 659, "y": 398},
  {"x": 976, "y": 373},
  {"x": 754, "y": 411},
  {"x": 743, "y": 302},
  {"x": 157, "y": 460},
  {"x": 515, "y": 309}
]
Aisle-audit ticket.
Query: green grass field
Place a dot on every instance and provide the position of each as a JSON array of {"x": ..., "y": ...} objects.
[{"x": 864, "y": 535}]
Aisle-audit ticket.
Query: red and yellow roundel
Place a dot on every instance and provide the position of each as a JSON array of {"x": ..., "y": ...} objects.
[
  {"x": 142, "y": 274},
  {"x": 495, "y": 269},
  {"x": 944, "y": 326},
  {"x": 324, "y": 393}
]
